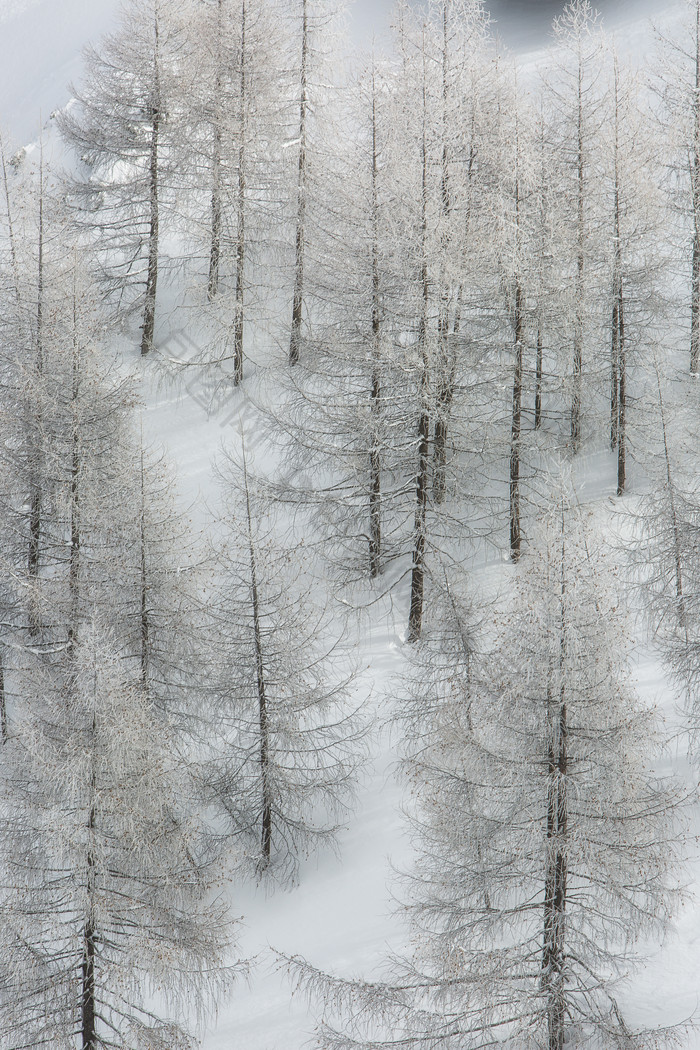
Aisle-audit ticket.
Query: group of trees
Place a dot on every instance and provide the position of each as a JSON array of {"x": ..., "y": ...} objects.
[
  {"x": 441, "y": 276},
  {"x": 157, "y": 733}
]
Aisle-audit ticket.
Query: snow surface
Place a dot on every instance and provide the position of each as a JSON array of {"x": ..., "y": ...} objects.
[{"x": 340, "y": 916}]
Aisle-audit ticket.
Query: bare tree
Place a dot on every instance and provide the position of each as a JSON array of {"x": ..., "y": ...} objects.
[
  {"x": 290, "y": 742},
  {"x": 533, "y": 773},
  {"x": 118, "y": 126}
]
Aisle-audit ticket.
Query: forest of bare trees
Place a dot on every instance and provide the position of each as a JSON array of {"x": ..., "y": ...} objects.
[{"x": 444, "y": 281}]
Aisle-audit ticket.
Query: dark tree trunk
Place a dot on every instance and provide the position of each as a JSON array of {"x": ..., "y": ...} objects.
[
  {"x": 675, "y": 526},
  {"x": 554, "y": 953},
  {"x": 149, "y": 313},
  {"x": 215, "y": 240},
  {"x": 447, "y": 367},
  {"x": 240, "y": 208},
  {"x": 615, "y": 369},
  {"x": 74, "y": 565},
  {"x": 538, "y": 379},
  {"x": 300, "y": 240},
  {"x": 415, "y": 617},
  {"x": 35, "y": 451},
  {"x": 516, "y": 425},
  {"x": 3, "y": 702},
  {"x": 144, "y": 619},
  {"x": 375, "y": 485},
  {"x": 266, "y": 791},
  {"x": 88, "y": 997},
  {"x": 695, "y": 202},
  {"x": 577, "y": 379},
  {"x": 622, "y": 410}
]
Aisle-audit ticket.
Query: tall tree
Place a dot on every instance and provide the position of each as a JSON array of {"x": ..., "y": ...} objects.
[
  {"x": 574, "y": 95},
  {"x": 118, "y": 126},
  {"x": 545, "y": 841},
  {"x": 104, "y": 895}
]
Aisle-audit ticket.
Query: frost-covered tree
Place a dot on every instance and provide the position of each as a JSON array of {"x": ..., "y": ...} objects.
[
  {"x": 545, "y": 841},
  {"x": 573, "y": 92},
  {"x": 112, "y": 931},
  {"x": 678, "y": 92},
  {"x": 234, "y": 91},
  {"x": 289, "y": 739},
  {"x": 118, "y": 124}
]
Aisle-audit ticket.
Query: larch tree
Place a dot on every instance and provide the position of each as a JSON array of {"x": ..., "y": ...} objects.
[
  {"x": 678, "y": 109},
  {"x": 573, "y": 93},
  {"x": 545, "y": 841},
  {"x": 113, "y": 934},
  {"x": 119, "y": 126},
  {"x": 289, "y": 740},
  {"x": 237, "y": 122}
]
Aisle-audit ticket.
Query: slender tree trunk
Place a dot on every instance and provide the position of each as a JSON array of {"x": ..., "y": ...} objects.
[
  {"x": 144, "y": 620},
  {"x": 615, "y": 369},
  {"x": 88, "y": 998},
  {"x": 447, "y": 368},
  {"x": 538, "y": 378},
  {"x": 375, "y": 484},
  {"x": 298, "y": 295},
  {"x": 74, "y": 564},
  {"x": 577, "y": 379},
  {"x": 675, "y": 527},
  {"x": 618, "y": 406},
  {"x": 149, "y": 314},
  {"x": 516, "y": 425},
  {"x": 3, "y": 701},
  {"x": 622, "y": 411},
  {"x": 695, "y": 202},
  {"x": 415, "y": 618},
  {"x": 216, "y": 211},
  {"x": 240, "y": 208},
  {"x": 263, "y": 724},
  {"x": 35, "y": 451},
  {"x": 553, "y": 956}
]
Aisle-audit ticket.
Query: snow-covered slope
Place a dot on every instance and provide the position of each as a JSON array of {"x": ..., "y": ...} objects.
[{"x": 340, "y": 916}]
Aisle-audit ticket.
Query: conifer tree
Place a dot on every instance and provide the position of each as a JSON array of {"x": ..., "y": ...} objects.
[
  {"x": 289, "y": 741},
  {"x": 545, "y": 842}
]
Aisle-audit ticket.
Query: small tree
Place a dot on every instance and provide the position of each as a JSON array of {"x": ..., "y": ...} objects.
[{"x": 290, "y": 743}]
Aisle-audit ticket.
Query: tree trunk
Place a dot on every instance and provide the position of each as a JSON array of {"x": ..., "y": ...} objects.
[
  {"x": 74, "y": 564},
  {"x": 675, "y": 527},
  {"x": 375, "y": 486},
  {"x": 149, "y": 314},
  {"x": 215, "y": 241},
  {"x": 577, "y": 379},
  {"x": 35, "y": 452},
  {"x": 447, "y": 368},
  {"x": 695, "y": 203},
  {"x": 553, "y": 955},
  {"x": 240, "y": 207},
  {"x": 622, "y": 410},
  {"x": 516, "y": 425},
  {"x": 3, "y": 702},
  {"x": 266, "y": 792},
  {"x": 415, "y": 617},
  {"x": 144, "y": 620},
  {"x": 88, "y": 998},
  {"x": 298, "y": 296},
  {"x": 538, "y": 378}
]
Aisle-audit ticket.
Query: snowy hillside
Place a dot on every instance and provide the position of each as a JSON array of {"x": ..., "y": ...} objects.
[{"x": 455, "y": 249}]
